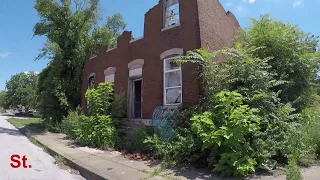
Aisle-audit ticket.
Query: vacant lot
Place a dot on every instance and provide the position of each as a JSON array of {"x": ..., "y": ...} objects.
[{"x": 34, "y": 124}]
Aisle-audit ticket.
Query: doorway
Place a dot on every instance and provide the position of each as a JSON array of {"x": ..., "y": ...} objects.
[{"x": 136, "y": 97}]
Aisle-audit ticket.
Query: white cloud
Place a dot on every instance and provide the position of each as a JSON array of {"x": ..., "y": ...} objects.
[
  {"x": 249, "y": 1},
  {"x": 4, "y": 54},
  {"x": 297, "y": 3}
]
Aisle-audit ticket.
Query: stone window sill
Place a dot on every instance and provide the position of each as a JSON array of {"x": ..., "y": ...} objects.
[{"x": 170, "y": 27}]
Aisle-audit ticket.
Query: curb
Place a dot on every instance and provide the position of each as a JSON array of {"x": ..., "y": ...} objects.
[{"x": 84, "y": 172}]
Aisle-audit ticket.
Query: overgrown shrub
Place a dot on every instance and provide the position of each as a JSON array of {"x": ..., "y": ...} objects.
[
  {"x": 135, "y": 143},
  {"x": 98, "y": 128},
  {"x": 304, "y": 142},
  {"x": 183, "y": 147},
  {"x": 224, "y": 131},
  {"x": 96, "y": 131},
  {"x": 118, "y": 109},
  {"x": 99, "y": 99},
  {"x": 53, "y": 126},
  {"x": 294, "y": 57},
  {"x": 293, "y": 171},
  {"x": 71, "y": 122},
  {"x": 251, "y": 70},
  {"x": 250, "y": 76}
]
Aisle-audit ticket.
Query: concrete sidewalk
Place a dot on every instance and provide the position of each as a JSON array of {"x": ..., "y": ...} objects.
[
  {"x": 105, "y": 164},
  {"x": 96, "y": 164},
  {"x": 112, "y": 165}
]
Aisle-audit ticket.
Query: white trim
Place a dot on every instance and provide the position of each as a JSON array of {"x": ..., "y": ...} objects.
[
  {"x": 110, "y": 70},
  {"x": 109, "y": 78},
  {"x": 111, "y": 49},
  {"x": 92, "y": 57},
  {"x": 135, "y": 72},
  {"x": 164, "y": 82},
  {"x": 169, "y": 52},
  {"x": 167, "y": 28},
  {"x": 173, "y": 87},
  {"x": 135, "y": 62},
  {"x": 91, "y": 75}
]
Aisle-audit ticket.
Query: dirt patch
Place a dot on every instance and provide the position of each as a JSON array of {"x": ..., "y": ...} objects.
[{"x": 138, "y": 156}]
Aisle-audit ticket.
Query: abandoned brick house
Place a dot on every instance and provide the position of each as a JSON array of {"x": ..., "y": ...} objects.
[{"x": 141, "y": 68}]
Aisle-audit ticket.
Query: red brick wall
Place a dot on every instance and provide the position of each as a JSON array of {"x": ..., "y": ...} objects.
[
  {"x": 155, "y": 42},
  {"x": 217, "y": 27}
]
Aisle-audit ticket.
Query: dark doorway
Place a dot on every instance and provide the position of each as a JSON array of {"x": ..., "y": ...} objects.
[{"x": 137, "y": 98}]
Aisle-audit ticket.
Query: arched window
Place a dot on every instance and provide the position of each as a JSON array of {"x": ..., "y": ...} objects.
[
  {"x": 172, "y": 77},
  {"x": 91, "y": 82}
]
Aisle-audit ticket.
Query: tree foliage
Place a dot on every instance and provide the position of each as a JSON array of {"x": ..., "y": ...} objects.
[
  {"x": 71, "y": 35},
  {"x": 3, "y": 99},
  {"x": 21, "y": 90},
  {"x": 98, "y": 128},
  {"x": 294, "y": 56}
]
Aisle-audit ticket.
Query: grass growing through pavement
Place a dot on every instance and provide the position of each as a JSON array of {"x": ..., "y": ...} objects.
[
  {"x": 34, "y": 124},
  {"x": 157, "y": 172},
  {"x": 60, "y": 160}
]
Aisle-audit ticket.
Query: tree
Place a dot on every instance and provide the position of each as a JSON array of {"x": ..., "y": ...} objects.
[
  {"x": 3, "y": 99},
  {"x": 71, "y": 35},
  {"x": 21, "y": 90},
  {"x": 116, "y": 24},
  {"x": 294, "y": 57}
]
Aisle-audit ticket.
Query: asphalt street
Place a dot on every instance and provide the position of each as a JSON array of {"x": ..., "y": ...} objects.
[{"x": 40, "y": 165}]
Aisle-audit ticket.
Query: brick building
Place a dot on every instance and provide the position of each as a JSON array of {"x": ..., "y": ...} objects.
[{"x": 140, "y": 68}]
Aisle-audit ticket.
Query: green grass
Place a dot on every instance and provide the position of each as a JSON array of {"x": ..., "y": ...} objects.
[
  {"x": 33, "y": 124},
  {"x": 60, "y": 160},
  {"x": 157, "y": 172}
]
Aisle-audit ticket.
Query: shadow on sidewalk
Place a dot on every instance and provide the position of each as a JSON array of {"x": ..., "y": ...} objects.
[
  {"x": 191, "y": 172},
  {"x": 12, "y": 132}
]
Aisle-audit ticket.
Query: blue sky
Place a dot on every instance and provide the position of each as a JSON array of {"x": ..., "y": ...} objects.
[{"x": 18, "y": 47}]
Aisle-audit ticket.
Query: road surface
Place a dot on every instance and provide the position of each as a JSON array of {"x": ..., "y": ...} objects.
[{"x": 42, "y": 164}]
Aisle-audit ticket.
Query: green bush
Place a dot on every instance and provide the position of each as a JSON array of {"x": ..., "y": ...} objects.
[
  {"x": 135, "y": 142},
  {"x": 293, "y": 171},
  {"x": 71, "y": 122},
  {"x": 53, "y": 126},
  {"x": 96, "y": 131},
  {"x": 99, "y": 99},
  {"x": 183, "y": 147},
  {"x": 224, "y": 132},
  {"x": 294, "y": 53},
  {"x": 118, "y": 109},
  {"x": 305, "y": 140}
]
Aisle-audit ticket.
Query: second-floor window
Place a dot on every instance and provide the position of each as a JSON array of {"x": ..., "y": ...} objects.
[{"x": 171, "y": 10}]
